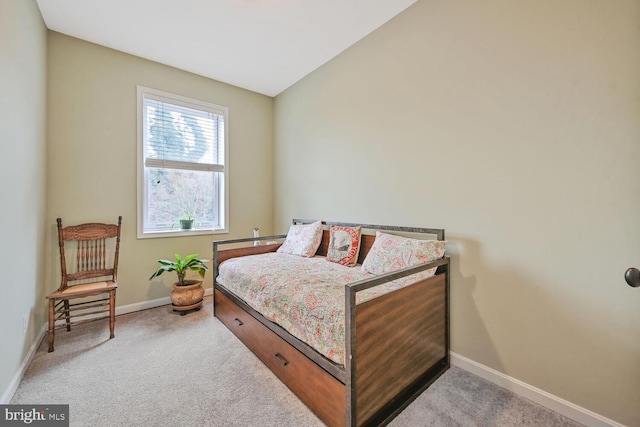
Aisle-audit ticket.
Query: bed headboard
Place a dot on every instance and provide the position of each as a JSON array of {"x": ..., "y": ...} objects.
[{"x": 369, "y": 234}]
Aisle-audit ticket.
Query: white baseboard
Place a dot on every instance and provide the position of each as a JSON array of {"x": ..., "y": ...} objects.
[
  {"x": 129, "y": 308},
  {"x": 15, "y": 381},
  {"x": 541, "y": 397}
]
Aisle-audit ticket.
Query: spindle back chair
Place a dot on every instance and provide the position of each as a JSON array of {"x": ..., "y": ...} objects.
[{"x": 89, "y": 268}]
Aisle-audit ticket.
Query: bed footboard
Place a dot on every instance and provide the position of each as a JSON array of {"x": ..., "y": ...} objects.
[{"x": 397, "y": 346}]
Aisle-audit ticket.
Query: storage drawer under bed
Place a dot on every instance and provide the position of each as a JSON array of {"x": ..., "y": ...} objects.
[{"x": 319, "y": 390}]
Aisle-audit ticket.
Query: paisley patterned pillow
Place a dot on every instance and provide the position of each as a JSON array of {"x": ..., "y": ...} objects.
[
  {"x": 390, "y": 252},
  {"x": 344, "y": 245},
  {"x": 302, "y": 239}
]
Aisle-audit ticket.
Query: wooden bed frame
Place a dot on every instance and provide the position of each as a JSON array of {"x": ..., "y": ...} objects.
[{"x": 396, "y": 345}]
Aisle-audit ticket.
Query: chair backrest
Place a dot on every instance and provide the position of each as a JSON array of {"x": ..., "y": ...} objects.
[{"x": 95, "y": 252}]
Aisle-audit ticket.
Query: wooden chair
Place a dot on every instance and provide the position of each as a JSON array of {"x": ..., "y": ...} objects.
[{"x": 93, "y": 250}]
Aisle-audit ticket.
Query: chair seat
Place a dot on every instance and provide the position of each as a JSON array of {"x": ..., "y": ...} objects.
[{"x": 92, "y": 288}]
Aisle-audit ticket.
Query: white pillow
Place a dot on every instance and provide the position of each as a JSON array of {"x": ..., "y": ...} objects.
[
  {"x": 390, "y": 253},
  {"x": 302, "y": 239}
]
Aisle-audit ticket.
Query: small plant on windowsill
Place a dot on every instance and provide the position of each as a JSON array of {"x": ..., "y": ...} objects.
[
  {"x": 186, "y": 294},
  {"x": 187, "y": 221}
]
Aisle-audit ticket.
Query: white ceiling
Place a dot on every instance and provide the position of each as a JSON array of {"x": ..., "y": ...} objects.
[{"x": 261, "y": 45}]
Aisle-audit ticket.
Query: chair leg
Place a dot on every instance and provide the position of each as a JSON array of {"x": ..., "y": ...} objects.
[
  {"x": 112, "y": 313},
  {"x": 66, "y": 314},
  {"x": 51, "y": 333}
]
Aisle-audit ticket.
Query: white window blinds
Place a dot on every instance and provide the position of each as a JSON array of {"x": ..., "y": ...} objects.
[{"x": 181, "y": 137}]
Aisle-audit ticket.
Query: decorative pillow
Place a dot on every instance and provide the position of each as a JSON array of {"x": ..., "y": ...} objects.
[
  {"x": 390, "y": 252},
  {"x": 344, "y": 245},
  {"x": 302, "y": 239}
]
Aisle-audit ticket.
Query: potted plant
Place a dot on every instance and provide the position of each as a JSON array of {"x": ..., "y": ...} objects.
[
  {"x": 187, "y": 220},
  {"x": 186, "y": 294}
]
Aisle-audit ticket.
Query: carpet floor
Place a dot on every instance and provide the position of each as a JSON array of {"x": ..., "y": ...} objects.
[{"x": 163, "y": 369}]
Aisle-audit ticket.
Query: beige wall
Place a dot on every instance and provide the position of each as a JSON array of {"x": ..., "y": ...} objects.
[
  {"x": 516, "y": 127},
  {"x": 92, "y": 156},
  {"x": 23, "y": 66}
]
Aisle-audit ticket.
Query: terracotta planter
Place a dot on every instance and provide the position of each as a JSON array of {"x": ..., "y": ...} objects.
[{"x": 189, "y": 295}]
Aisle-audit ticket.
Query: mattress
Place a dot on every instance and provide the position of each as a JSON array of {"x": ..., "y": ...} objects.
[{"x": 305, "y": 296}]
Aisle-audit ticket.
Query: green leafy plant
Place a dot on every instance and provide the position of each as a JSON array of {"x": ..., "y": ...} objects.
[
  {"x": 188, "y": 215},
  {"x": 181, "y": 266}
]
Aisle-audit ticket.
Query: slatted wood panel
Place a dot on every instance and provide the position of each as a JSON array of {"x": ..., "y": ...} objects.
[{"x": 90, "y": 251}]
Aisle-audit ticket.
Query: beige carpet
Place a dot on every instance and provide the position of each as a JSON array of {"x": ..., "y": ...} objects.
[{"x": 163, "y": 369}]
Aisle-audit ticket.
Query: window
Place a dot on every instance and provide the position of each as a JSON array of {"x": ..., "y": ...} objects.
[{"x": 182, "y": 165}]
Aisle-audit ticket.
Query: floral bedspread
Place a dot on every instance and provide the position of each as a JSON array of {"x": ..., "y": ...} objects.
[{"x": 303, "y": 295}]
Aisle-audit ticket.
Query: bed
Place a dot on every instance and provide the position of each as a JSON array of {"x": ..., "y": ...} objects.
[{"x": 390, "y": 330}]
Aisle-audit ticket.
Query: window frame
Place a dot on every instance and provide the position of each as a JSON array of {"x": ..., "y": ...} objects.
[{"x": 141, "y": 184}]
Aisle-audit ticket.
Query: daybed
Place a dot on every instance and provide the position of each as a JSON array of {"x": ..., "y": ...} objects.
[{"x": 394, "y": 326}]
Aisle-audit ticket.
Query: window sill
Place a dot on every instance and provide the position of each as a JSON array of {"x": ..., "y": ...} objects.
[{"x": 181, "y": 233}]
